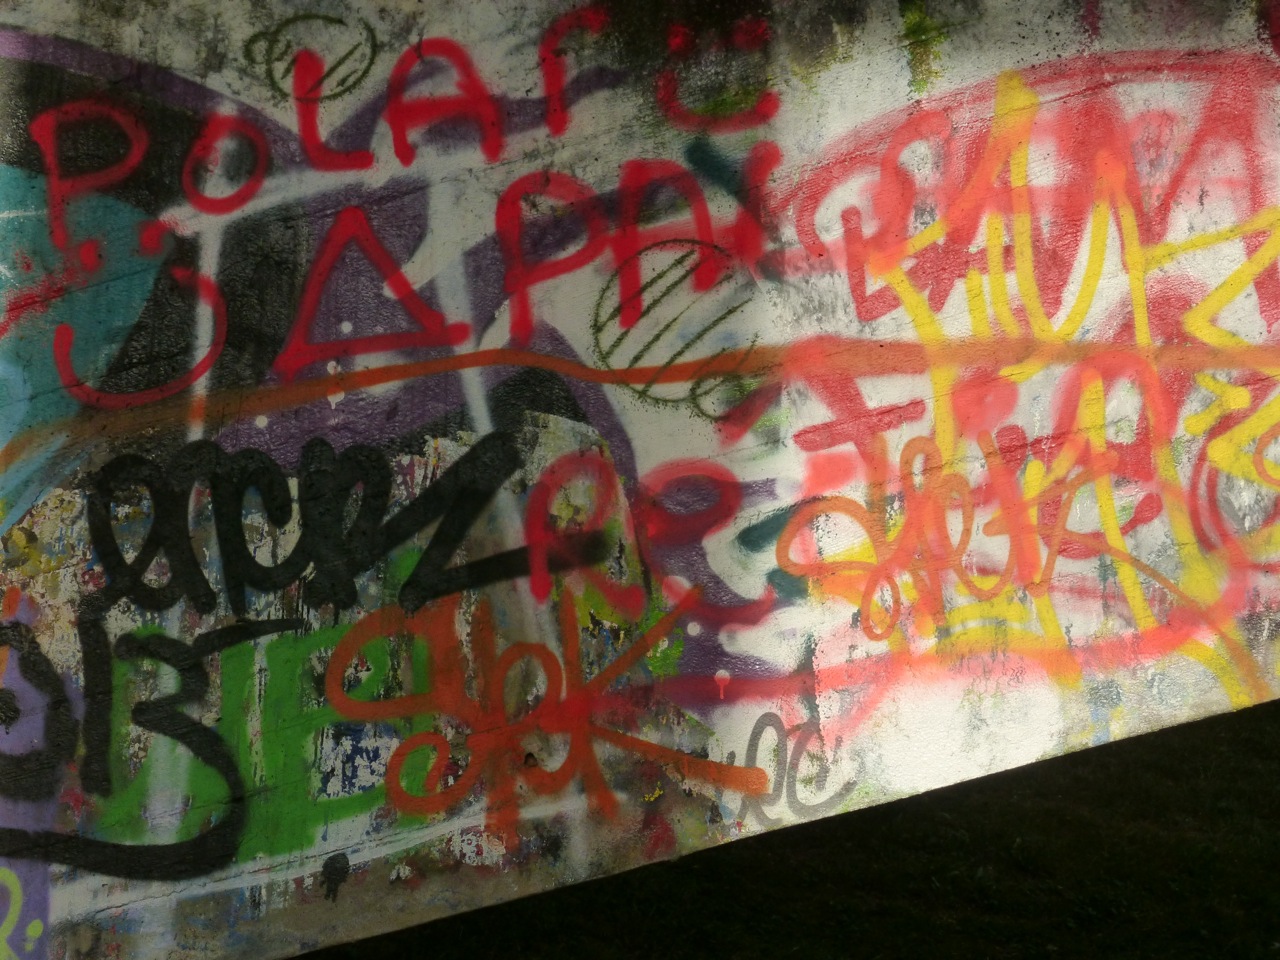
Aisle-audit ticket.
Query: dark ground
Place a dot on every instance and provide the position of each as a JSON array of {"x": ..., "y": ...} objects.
[{"x": 1165, "y": 845}]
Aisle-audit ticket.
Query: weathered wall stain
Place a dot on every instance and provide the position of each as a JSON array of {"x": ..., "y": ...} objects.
[{"x": 452, "y": 450}]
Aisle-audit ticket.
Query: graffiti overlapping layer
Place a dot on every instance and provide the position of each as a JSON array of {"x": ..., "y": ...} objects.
[{"x": 452, "y": 450}]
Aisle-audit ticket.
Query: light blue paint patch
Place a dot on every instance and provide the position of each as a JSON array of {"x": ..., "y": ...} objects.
[
  {"x": 15, "y": 399},
  {"x": 101, "y": 313}
]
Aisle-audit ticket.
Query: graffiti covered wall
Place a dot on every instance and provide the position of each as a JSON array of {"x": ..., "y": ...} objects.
[{"x": 452, "y": 450}]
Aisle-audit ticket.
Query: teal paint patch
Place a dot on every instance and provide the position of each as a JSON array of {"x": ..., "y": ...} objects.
[
  {"x": 101, "y": 311},
  {"x": 713, "y": 166}
]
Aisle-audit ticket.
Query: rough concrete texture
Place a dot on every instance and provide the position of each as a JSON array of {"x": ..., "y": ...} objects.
[{"x": 455, "y": 449}]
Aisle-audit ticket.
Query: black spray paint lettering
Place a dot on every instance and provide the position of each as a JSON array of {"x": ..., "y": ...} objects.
[
  {"x": 36, "y": 774},
  {"x": 214, "y": 848},
  {"x": 331, "y": 551}
]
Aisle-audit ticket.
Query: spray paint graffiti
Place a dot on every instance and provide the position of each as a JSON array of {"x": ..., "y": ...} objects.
[{"x": 549, "y": 445}]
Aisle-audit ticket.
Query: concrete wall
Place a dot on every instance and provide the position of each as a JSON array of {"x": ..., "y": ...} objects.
[{"x": 455, "y": 449}]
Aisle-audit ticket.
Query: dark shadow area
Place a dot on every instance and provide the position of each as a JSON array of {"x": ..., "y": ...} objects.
[{"x": 1165, "y": 845}]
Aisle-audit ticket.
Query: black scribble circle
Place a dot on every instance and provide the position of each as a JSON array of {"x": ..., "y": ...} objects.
[{"x": 348, "y": 50}]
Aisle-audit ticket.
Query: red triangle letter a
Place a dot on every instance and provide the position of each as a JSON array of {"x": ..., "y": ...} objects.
[{"x": 351, "y": 225}]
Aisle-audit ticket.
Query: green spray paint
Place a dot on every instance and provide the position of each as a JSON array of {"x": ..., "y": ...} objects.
[
  {"x": 288, "y": 809},
  {"x": 923, "y": 36}
]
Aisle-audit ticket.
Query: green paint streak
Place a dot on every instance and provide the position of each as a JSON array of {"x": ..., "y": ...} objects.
[
  {"x": 399, "y": 566},
  {"x": 118, "y": 818},
  {"x": 287, "y": 809},
  {"x": 1126, "y": 510},
  {"x": 664, "y": 660},
  {"x": 923, "y": 36},
  {"x": 1182, "y": 447},
  {"x": 729, "y": 102}
]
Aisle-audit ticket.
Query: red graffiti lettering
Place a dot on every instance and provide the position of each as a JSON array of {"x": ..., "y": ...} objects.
[
  {"x": 62, "y": 187},
  {"x": 492, "y": 742},
  {"x": 301, "y": 349},
  {"x": 592, "y": 19},
  {"x": 510, "y": 220},
  {"x": 204, "y": 154},
  {"x": 637, "y": 178},
  {"x": 308, "y": 82},
  {"x": 64, "y": 340},
  {"x": 748, "y": 34},
  {"x": 473, "y": 102}
]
